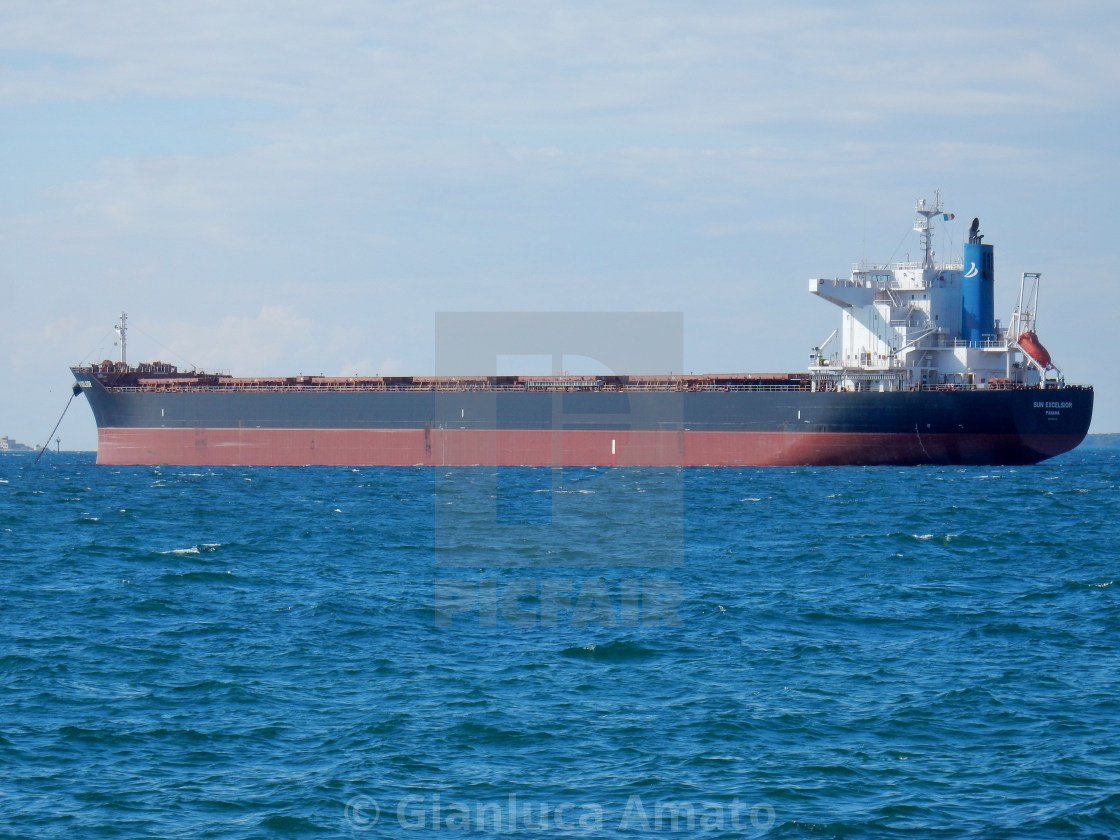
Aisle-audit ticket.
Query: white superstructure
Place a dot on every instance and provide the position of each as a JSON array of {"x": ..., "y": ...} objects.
[{"x": 923, "y": 325}]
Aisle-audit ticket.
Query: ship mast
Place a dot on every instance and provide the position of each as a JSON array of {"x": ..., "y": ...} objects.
[
  {"x": 122, "y": 331},
  {"x": 924, "y": 226}
]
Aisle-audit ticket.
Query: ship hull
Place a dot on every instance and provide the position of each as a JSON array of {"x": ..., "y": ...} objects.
[{"x": 603, "y": 428}]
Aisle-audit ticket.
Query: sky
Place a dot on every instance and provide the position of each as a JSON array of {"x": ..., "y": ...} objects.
[{"x": 295, "y": 187}]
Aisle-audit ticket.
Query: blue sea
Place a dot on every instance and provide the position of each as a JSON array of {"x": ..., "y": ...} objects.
[{"x": 613, "y": 653}]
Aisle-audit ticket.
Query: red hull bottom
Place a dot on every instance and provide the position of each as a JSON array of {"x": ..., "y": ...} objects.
[{"x": 461, "y": 447}]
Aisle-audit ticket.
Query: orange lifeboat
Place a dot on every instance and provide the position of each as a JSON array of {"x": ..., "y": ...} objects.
[{"x": 1033, "y": 348}]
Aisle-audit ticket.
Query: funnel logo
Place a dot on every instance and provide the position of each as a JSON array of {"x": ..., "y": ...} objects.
[{"x": 972, "y": 272}]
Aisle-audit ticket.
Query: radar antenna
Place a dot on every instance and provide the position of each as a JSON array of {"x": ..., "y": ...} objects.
[
  {"x": 122, "y": 331},
  {"x": 924, "y": 225}
]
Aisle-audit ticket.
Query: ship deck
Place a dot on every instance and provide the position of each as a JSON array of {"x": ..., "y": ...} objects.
[{"x": 115, "y": 379}]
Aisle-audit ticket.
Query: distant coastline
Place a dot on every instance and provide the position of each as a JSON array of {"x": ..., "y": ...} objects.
[
  {"x": 7, "y": 444},
  {"x": 1108, "y": 440}
]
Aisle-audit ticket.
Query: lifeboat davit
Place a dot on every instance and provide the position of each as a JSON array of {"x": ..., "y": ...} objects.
[{"x": 1033, "y": 348}]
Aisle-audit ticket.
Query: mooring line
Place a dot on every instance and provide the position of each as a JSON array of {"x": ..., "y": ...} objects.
[{"x": 76, "y": 390}]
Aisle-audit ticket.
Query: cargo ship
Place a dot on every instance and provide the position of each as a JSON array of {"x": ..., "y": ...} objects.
[{"x": 923, "y": 373}]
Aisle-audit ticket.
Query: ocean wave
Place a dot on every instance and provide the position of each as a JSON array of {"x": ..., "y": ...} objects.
[{"x": 865, "y": 652}]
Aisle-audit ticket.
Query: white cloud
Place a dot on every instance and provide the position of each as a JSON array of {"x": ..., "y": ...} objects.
[
  {"x": 248, "y": 345},
  {"x": 625, "y": 63}
]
